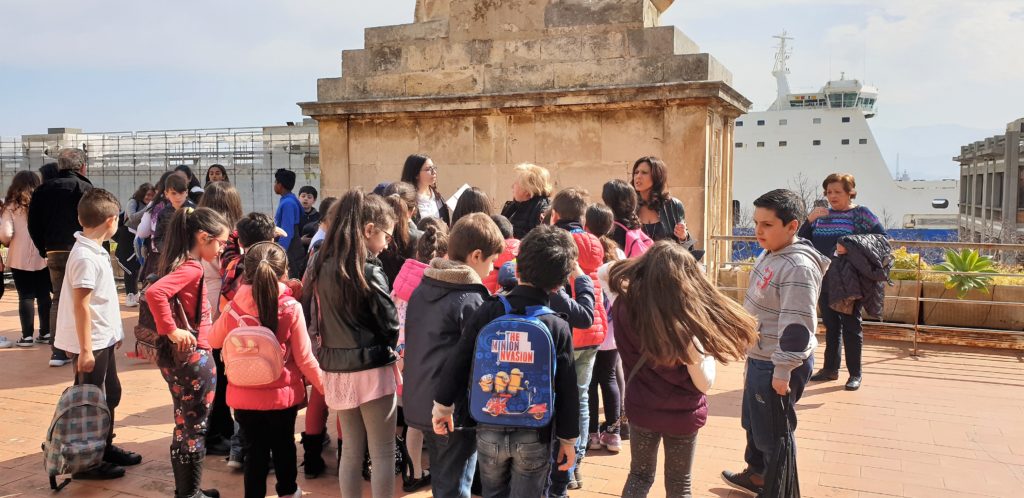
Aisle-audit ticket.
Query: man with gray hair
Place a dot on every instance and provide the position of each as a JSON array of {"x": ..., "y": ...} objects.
[{"x": 52, "y": 223}]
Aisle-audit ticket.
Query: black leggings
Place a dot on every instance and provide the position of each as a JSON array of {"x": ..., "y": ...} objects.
[
  {"x": 126, "y": 256},
  {"x": 33, "y": 291},
  {"x": 270, "y": 431},
  {"x": 605, "y": 377}
]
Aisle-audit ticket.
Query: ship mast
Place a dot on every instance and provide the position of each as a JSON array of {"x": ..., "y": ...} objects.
[{"x": 780, "y": 71}]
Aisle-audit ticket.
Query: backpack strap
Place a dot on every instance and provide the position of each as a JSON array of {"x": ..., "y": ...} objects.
[{"x": 531, "y": 311}]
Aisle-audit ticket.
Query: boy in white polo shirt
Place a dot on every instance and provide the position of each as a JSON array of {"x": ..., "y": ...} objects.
[{"x": 92, "y": 317}]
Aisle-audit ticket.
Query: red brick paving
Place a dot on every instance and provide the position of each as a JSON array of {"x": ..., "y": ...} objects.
[{"x": 947, "y": 423}]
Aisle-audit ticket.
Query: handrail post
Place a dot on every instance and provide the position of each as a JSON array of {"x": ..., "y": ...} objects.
[{"x": 917, "y": 315}]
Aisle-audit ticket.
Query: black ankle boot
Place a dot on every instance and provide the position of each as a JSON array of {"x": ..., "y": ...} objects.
[
  {"x": 312, "y": 461},
  {"x": 187, "y": 478}
]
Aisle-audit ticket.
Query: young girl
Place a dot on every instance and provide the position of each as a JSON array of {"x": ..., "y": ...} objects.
[
  {"x": 154, "y": 222},
  {"x": 193, "y": 235},
  {"x": 267, "y": 413},
  {"x": 125, "y": 239},
  {"x": 657, "y": 334},
  {"x": 599, "y": 221},
  {"x": 31, "y": 277},
  {"x": 359, "y": 335}
]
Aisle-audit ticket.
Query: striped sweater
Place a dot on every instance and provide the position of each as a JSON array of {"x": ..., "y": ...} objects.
[
  {"x": 783, "y": 296},
  {"x": 824, "y": 232}
]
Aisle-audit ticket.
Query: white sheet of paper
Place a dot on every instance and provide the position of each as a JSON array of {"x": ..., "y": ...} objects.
[{"x": 454, "y": 199}]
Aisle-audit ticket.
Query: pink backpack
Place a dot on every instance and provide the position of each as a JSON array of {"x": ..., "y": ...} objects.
[
  {"x": 253, "y": 356},
  {"x": 637, "y": 242}
]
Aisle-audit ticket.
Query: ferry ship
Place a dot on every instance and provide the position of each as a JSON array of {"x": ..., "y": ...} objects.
[{"x": 803, "y": 137}]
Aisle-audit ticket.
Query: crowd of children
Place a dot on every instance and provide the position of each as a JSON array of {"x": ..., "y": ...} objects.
[{"x": 393, "y": 325}]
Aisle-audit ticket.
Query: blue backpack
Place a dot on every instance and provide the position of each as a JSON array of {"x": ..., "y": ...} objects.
[{"x": 513, "y": 370}]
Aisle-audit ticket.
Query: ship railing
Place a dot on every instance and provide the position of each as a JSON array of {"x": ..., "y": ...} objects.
[{"x": 922, "y": 308}]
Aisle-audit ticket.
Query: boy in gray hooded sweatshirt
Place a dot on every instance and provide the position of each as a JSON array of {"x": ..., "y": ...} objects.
[{"x": 783, "y": 296}]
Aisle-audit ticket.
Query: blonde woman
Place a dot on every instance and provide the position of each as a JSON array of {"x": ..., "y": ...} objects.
[{"x": 530, "y": 191}]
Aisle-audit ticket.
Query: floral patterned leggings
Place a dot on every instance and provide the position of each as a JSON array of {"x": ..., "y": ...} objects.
[{"x": 193, "y": 386}]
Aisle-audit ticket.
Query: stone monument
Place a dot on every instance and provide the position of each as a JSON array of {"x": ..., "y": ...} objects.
[{"x": 581, "y": 87}]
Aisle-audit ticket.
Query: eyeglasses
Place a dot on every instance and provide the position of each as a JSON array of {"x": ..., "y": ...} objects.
[
  {"x": 387, "y": 236},
  {"x": 430, "y": 169}
]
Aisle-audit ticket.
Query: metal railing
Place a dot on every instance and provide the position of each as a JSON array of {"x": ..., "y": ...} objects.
[{"x": 953, "y": 325}]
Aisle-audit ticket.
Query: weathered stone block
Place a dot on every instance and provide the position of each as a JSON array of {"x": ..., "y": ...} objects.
[
  {"x": 472, "y": 53},
  {"x": 685, "y": 144},
  {"x": 562, "y": 48},
  {"x": 385, "y": 59},
  {"x": 696, "y": 67},
  {"x": 631, "y": 133},
  {"x": 398, "y": 138},
  {"x": 404, "y": 33},
  {"x": 443, "y": 83},
  {"x": 429, "y": 10},
  {"x": 607, "y": 73},
  {"x": 560, "y": 13},
  {"x": 495, "y": 19},
  {"x": 568, "y": 137},
  {"x": 422, "y": 56},
  {"x": 651, "y": 42},
  {"x": 518, "y": 79},
  {"x": 330, "y": 89},
  {"x": 522, "y": 145},
  {"x": 449, "y": 140},
  {"x": 610, "y": 45},
  {"x": 489, "y": 134},
  {"x": 522, "y": 51},
  {"x": 334, "y": 161},
  {"x": 355, "y": 63},
  {"x": 364, "y": 145}
]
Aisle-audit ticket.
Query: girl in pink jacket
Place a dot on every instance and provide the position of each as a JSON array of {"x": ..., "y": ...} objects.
[{"x": 267, "y": 413}]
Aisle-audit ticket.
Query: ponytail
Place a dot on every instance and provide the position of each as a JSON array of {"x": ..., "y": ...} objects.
[
  {"x": 181, "y": 235},
  {"x": 432, "y": 244},
  {"x": 265, "y": 264},
  {"x": 402, "y": 217}
]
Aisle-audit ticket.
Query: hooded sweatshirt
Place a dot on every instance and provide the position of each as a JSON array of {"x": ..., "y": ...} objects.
[
  {"x": 783, "y": 296},
  {"x": 448, "y": 295}
]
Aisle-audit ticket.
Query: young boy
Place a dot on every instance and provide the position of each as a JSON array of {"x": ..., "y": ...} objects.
[
  {"x": 89, "y": 324},
  {"x": 451, "y": 290},
  {"x": 289, "y": 211},
  {"x": 783, "y": 296},
  {"x": 515, "y": 461},
  {"x": 307, "y": 198},
  {"x": 567, "y": 211}
]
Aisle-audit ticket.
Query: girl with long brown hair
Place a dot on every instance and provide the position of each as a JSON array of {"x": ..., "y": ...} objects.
[
  {"x": 671, "y": 325},
  {"x": 31, "y": 277}
]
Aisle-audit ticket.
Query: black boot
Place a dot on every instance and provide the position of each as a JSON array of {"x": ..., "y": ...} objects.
[
  {"x": 187, "y": 478},
  {"x": 312, "y": 460}
]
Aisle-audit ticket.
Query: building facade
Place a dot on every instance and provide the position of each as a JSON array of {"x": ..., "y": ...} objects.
[{"x": 992, "y": 187}]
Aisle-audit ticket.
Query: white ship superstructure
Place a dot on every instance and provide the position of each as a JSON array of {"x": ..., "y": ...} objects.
[{"x": 803, "y": 137}]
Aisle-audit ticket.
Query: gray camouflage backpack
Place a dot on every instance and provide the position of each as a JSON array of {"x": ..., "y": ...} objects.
[{"x": 78, "y": 433}]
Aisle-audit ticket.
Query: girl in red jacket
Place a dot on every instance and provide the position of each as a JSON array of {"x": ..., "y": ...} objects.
[
  {"x": 267, "y": 413},
  {"x": 194, "y": 235}
]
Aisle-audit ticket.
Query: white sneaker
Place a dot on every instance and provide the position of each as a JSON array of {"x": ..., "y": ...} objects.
[
  {"x": 297, "y": 494},
  {"x": 131, "y": 301},
  {"x": 5, "y": 343}
]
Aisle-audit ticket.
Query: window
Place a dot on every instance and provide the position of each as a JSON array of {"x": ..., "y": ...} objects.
[
  {"x": 782, "y": 143},
  {"x": 863, "y": 141},
  {"x": 846, "y": 141},
  {"x": 739, "y": 145},
  {"x": 816, "y": 142},
  {"x": 760, "y": 122},
  {"x": 760, "y": 144},
  {"x": 739, "y": 123},
  {"x": 817, "y": 121},
  {"x": 940, "y": 203},
  {"x": 846, "y": 119},
  {"x": 783, "y": 122}
]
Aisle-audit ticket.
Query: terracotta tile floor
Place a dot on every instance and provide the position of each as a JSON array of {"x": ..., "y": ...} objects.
[{"x": 949, "y": 422}]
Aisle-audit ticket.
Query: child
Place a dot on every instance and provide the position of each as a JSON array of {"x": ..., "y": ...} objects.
[
  {"x": 358, "y": 328},
  {"x": 314, "y": 232},
  {"x": 599, "y": 222},
  {"x": 92, "y": 318},
  {"x": 508, "y": 254},
  {"x": 450, "y": 292},
  {"x": 658, "y": 335},
  {"x": 307, "y": 199},
  {"x": 154, "y": 223},
  {"x": 782, "y": 296},
  {"x": 567, "y": 210},
  {"x": 546, "y": 258},
  {"x": 192, "y": 236},
  {"x": 298, "y": 250},
  {"x": 267, "y": 413},
  {"x": 289, "y": 210},
  {"x": 31, "y": 277}
]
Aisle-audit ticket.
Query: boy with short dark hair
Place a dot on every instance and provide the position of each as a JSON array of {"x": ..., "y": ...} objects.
[
  {"x": 289, "y": 211},
  {"x": 298, "y": 249},
  {"x": 783, "y": 296},
  {"x": 89, "y": 324},
  {"x": 515, "y": 461}
]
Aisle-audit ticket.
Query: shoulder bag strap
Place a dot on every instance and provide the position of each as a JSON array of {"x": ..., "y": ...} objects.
[{"x": 632, "y": 374}]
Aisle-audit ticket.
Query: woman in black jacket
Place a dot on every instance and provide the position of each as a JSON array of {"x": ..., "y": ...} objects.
[
  {"x": 661, "y": 216},
  {"x": 530, "y": 191},
  {"x": 359, "y": 335}
]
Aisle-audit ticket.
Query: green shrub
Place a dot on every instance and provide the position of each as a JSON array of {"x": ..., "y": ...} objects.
[
  {"x": 906, "y": 265},
  {"x": 967, "y": 260}
]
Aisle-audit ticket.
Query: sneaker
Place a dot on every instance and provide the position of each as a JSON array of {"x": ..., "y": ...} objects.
[
  {"x": 59, "y": 358},
  {"x": 594, "y": 443},
  {"x": 44, "y": 339},
  {"x": 413, "y": 485},
  {"x": 5, "y": 343},
  {"x": 741, "y": 481},
  {"x": 131, "y": 300},
  {"x": 825, "y": 375},
  {"x": 611, "y": 441},
  {"x": 25, "y": 342},
  {"x": 105, "y": 470},
  {"x": 235, "y": 462},
  {"x": 577, "y": 474},
  {"x": 121, "y": 457},
  {"x": 296, "y": 494}
]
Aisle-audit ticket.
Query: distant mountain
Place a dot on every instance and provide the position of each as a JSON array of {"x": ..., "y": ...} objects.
[{"x": 926, "y": 152}]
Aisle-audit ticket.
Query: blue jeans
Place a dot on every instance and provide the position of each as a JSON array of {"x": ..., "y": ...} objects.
[
  {"x": 513, "y": 462},
  {"x": 452, "y": 462},
  {"x": 584, "y": 361},
  {"x": 755, "y": 417}
]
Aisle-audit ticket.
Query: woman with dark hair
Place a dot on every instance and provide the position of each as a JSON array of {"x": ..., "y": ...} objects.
[
  {"x": 420, "y": 172},
  {"x": 216, "y": 173},
  {"x": 823, "y": 227},
  {"x": 125, "y": 238},
  {"x": 31, "y": 277},
  {"x": 195, "y": 190},
  {"x": 472, "y": 200},
  {"x": 660, "y": 215}
]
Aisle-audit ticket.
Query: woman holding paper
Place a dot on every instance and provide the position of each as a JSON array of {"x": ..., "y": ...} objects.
[{"x": 420, "y": 171}]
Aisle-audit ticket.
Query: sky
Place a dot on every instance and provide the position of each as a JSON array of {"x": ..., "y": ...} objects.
[{"x": 949, "y": 71}]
